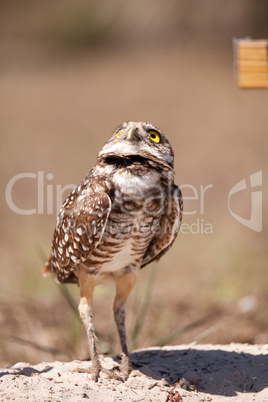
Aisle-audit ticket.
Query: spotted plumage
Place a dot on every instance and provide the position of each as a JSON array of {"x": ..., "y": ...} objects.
[{"x": 125, "y": 214}]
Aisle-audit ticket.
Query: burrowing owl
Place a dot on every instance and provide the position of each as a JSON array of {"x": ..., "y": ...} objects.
[{"x": 124, "y": 214}]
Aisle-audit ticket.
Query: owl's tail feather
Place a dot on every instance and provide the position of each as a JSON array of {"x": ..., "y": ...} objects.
[{"x": 47, "y": 270}]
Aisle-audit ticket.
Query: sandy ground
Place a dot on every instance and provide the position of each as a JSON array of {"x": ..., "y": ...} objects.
[{"x": 235, "y": 372}]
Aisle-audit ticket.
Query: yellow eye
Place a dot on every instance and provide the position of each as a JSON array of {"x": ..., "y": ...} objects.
[
  {"x": 154, "y": 136},
  {"x": 119, "y": 132}
]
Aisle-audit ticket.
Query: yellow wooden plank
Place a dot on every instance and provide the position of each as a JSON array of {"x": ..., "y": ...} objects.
[
  {"x": 246, "y": 81},
  {"x": 253, "y": 69},
  {"x": 258, "y": 66},
  {"x": 252, "y": 54},
  {"x": 255, "y": 76},
  {"x": 249, "y": 43},
  {"x": 252, "y": 63}
]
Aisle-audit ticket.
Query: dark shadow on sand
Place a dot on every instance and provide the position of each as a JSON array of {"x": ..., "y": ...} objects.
[
  {"x": 26, "y": 371},
  {"x": 214, "y": 372}
]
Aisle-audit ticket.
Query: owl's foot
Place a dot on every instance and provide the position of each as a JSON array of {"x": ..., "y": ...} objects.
[
  {"x": 95, "y": 373},
  {"x": 125, "y": 367}
]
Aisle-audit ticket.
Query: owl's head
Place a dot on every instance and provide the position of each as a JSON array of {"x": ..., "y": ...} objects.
[{"x": 141, "y": 140}]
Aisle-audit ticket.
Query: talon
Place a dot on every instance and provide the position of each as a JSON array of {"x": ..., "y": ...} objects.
[
  {"x": 125, "y": 366},
  {"x": 96, "y": 377},
  {"x": 120, "y": 378}
]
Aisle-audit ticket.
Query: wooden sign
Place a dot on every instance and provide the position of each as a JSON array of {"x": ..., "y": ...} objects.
[{"x": 251, "y": 61}]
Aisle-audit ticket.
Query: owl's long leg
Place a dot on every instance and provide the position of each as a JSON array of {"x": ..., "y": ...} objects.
[
  {"x": 87, "y": 284},
  {"x": 124, "y": 284}
]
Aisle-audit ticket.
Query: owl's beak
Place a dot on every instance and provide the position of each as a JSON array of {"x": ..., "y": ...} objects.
[{"x": 132, "y": 134}]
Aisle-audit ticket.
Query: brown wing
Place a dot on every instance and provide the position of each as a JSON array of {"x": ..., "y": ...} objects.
[
  {"x": 79, "y": 229},
  {"x": 168, "y": 228}
]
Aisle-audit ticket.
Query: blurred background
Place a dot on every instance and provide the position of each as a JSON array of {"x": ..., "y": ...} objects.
[{"x": 71, "y": 72}]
